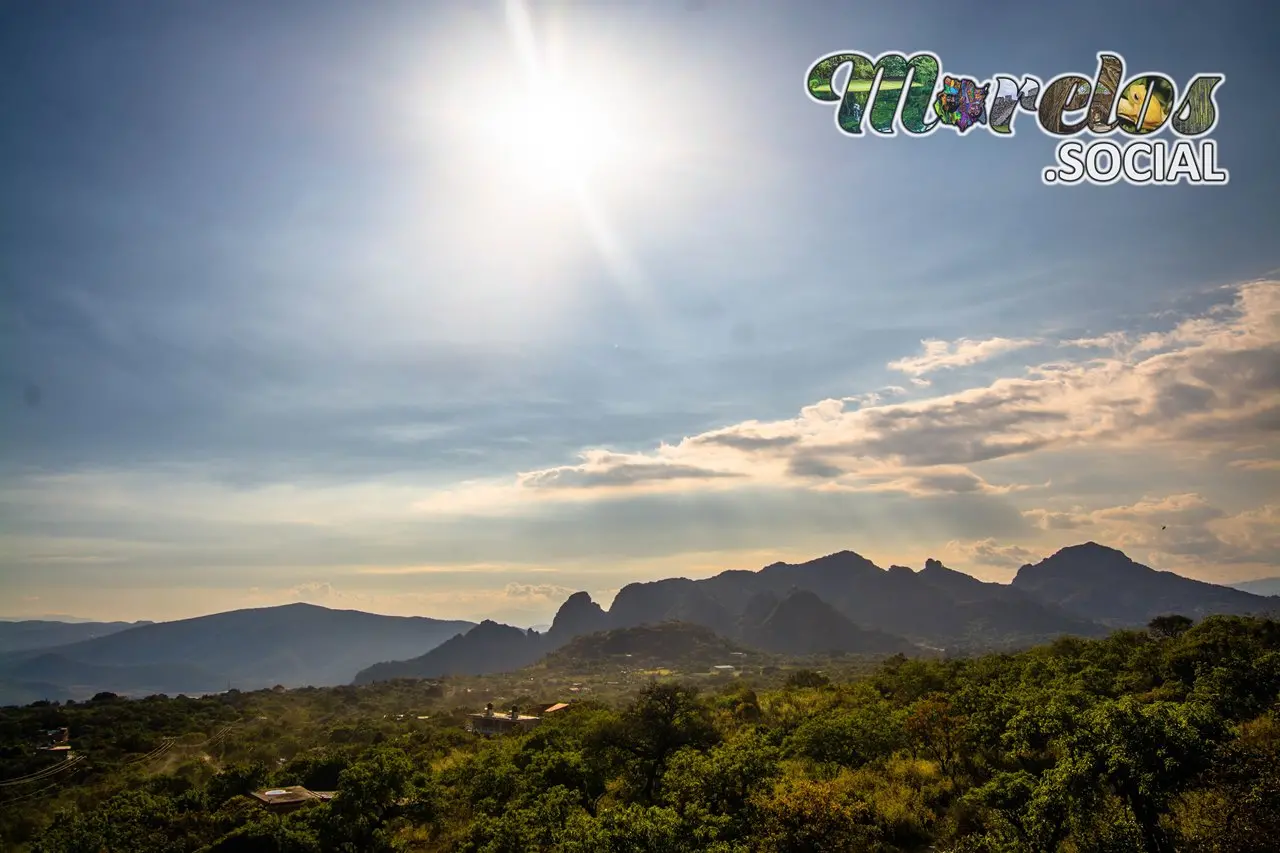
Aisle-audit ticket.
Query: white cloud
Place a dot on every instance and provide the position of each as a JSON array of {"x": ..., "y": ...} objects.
[
  {"x": 1049, "y": 520},
  {"x": 988, "y": 552},
  {"x": 941, "y": 355},
  {"x": 1175, "y": 531},
  {"x": 313, "y": 593},
  {"x": 1111, "y": 341},
  {"x": 601, "y": 469},
  {"x": 1210, "y": 384}
]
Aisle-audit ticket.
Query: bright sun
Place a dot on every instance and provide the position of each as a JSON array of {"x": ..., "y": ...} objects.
[
  {"x": 555, "y": 135},
  {"x": 552, "y": 130}
]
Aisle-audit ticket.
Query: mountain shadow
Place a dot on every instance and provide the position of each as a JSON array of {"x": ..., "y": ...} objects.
[
  {"x": 487, "y": 648},
  {"x": 671, "y": 644},
  {"x": 804, "y": 624}
]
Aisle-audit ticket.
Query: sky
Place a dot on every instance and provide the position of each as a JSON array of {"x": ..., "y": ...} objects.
[{"x": 452, "y": 309}]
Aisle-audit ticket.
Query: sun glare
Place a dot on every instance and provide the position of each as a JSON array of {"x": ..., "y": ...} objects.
[
  {"x": 554, "y": 135},
  {"x": 554, "y": 140}
]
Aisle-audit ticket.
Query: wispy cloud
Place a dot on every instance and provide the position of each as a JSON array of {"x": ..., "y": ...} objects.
[
  {"x": 944, "y": 355},
  {"x": 601, "y": 469},
  {"x": 1256, "y": 464},
  {"x": 1112, "y": 341},
  {"x": 513, "y": 601},
  {"x": 469, "y": 568},
  {"x": 1210, "y": 383},
  {"x": 988, "y": 552}
]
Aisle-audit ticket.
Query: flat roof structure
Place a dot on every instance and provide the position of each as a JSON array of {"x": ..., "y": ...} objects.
[
  {"x": 489, "y": 722},
  {"x": 291, "y": 797}
]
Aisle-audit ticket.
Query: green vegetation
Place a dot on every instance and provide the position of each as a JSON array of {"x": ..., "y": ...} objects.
[
  {"x": 692, "y": 645},
  {"x": 1156, "y": 740}
]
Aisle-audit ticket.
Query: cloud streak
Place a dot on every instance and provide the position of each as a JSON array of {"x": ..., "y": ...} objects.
[
  {"x": 601, "y": 469},
  {"x": 944, "y": 355}
]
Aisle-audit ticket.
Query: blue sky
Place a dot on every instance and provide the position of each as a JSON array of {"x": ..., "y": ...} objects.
[{"x": 290, "y": 310}]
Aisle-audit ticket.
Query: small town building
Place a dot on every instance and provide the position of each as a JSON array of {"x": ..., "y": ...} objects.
[
  {"x": 56, "y": 741},
  {"x": 487, "y": 722},
  {"x": 55, "y": 738},
  {"x": 288, "y": 799},
  {"x": 723, "y": 669}
]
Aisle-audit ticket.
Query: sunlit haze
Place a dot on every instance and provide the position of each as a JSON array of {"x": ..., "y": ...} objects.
[{"x": 456, "y": 308}]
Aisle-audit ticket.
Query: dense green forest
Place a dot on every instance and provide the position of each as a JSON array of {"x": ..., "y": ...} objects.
[{"x": 1166, "y": 739}]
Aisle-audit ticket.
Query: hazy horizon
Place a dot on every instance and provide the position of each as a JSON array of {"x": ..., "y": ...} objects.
[
  {"x": 603, "y": 597},
  {"x": 296, "y": 307}
]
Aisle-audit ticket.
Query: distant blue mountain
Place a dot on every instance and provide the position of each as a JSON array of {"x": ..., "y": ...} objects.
[
  {"x": 1262, "y": 586},
  {"x": 29, "y": 634},
  {"x": 295, "y": 645}
]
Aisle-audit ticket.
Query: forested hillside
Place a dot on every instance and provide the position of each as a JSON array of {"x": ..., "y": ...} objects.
[{"x": 1150, "y": 740}]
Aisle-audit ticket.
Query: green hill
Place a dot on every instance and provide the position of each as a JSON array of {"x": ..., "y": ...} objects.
[
  {"x": 1153, "y": 740},
  {"x": 674, "y": 645}
]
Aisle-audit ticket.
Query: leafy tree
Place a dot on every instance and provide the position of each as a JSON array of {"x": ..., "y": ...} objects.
[
  {"x": 1032, "y": 811},
  {"x": 1146, "y": 755},
  {"x": 806, "y": 816},
  {"x": 270, "y": 834},
  {"x": 934, "y": 726},
  {"x": 537, "y": 824},
  {"x": 850, "y": 737},
  {"x": 369, "y": 794},
  {"x": 132, "y": 820},
  {"x": 236, "y": 780},
  {"x": 807, "y": 678},
  {"x": 631, "y": 828},
  {"x": 722, "y": 782},
  {"x": 1238, "y": 810},
  {"x": 1170, "y": 626},
  {"x": 663, "y": 719}
]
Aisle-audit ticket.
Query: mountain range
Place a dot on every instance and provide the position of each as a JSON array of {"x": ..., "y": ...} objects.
[
  {"x": 16, "y": 636},
  {"x": 293, "y": 645},
  {"x": 840, "y": 603},
  {"x": 845, "y": 603}
]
